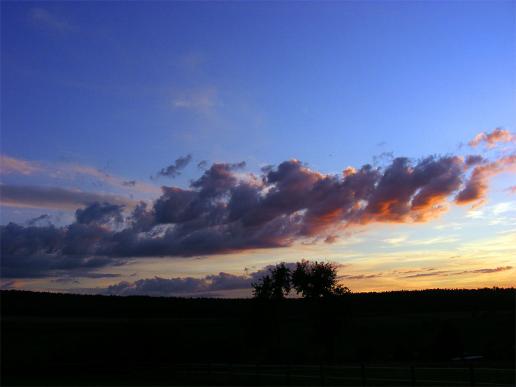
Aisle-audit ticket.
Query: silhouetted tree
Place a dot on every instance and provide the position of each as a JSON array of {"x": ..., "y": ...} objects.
[
  {"x": 310, "y": 279},
  {"x": 263, "y": 288},
  {"x": 275, "y": 285},
  {"x": 317, "y": 279}
]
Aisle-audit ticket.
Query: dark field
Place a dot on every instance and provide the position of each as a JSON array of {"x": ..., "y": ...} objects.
[{"x": 432, "y": 338}]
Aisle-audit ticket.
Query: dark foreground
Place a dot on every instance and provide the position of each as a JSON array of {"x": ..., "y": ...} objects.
[{"x": 426, "y": 338}]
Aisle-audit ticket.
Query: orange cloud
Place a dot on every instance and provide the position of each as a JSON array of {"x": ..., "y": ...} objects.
[
  {"x": 476, "y": 187},
  {"x": 491, "y": 139}
]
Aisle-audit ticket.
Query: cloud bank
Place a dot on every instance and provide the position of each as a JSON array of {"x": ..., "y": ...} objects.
[{"x": 228, "y": 211}]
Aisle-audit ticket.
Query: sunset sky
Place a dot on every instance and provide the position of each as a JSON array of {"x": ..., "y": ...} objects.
[{"x": 179, "y": 148}]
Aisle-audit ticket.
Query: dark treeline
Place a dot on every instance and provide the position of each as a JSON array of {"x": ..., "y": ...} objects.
[
  {"x": 49, "y": 333},
  {"x": 414, "y": 301}
]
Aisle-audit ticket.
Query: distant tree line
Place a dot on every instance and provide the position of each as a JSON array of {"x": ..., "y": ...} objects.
[{"x": 308, "y": 279}]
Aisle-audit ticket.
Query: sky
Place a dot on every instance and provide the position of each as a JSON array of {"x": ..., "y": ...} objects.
[{"x": 181, "y": 148}]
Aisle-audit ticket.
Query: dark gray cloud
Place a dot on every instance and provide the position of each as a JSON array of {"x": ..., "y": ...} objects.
[
  {"x": 174, "y": 170},
  {"x": 180, "y": 286},
  {"x": 100, "y": 213},
  {"x": 474, "y": 160},
  {"x": 202, "y": 165},
  {"x": 42, "y": 219},
  {"x": 208, "y": 285}
]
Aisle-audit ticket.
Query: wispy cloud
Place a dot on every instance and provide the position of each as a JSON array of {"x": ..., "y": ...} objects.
[
  {"x": 396, "y": 240},
  {"x": 504, "y": 207},
  {"x": 54, "y": 197},
  {"x": 44, "y": 18},
  {"x": 359, "y": 276},
  {"x": 196, "y": 99},
  {"x": 448, "y": 273},
  {"x": 102, "y": 176},
  {"x": 11, "y": 165},
  {"x": 191, "y": 60},
  {"x": 405, "y": 241},
  {"x": 488, "y": 270}
]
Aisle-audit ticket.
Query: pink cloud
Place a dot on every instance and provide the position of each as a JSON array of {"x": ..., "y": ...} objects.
[{"x": 491, "y": 139}]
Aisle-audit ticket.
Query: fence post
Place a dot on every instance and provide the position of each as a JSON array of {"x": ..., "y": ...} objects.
[
  {"x": 258, "y": 374},
  {"x": 364, "y": 379},
  {"x": 413, "y": 375},
  {"x": 471, "y": 374},
  {"x": 174, "y": 372},
  {"x": 321, "y": 370},
  {"x": 288, "y": 374},
  {"x": 229, "y": 376}
]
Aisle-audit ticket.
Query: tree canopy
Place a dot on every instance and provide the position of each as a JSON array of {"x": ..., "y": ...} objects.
[
  {"x": 275, "y": 285},
  {"x": 309, "y": 279}
]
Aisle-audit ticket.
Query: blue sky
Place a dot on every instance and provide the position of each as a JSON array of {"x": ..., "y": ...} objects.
[{"x": 126, "y": 88}]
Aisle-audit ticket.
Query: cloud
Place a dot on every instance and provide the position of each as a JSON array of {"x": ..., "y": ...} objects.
[
  {"x": 331, "y": 239},
  {"x": 9, "y": 284},
  {"x": 218, "y": 283},
  {"x": 54, "y": 197},
  {"x": 103, "y": 177},
  {"x": 503, "y": 207},
  {"x": 476, "y": 187},
  {"x": 11, "y": 165},
  {"x": 360, "y": 276},
  {"x": 191, "y": 60},
  {"x": 100, "y": 213},
  {"x": 158, "y": 286},
  {"x": 487, "y": 271},
  {"x": 490, "y": 140},
  {"x": 396, "y": 240},
  {"x": 200, "y": 99},
  {"x": 446, "y": 273},
  {"x": 428, "y": 274},
  {"x": 228, "y": 211},
  {"x": 202, "y": 165},
  {"x": 43, "y": 17},
  {"x": 42, "y": 219},
  {"x": 174, "y": 170}
]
